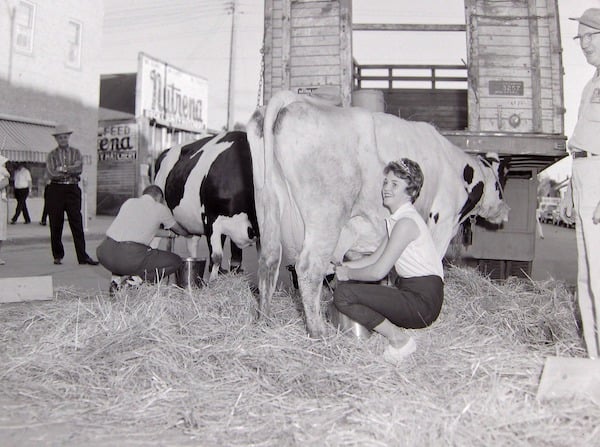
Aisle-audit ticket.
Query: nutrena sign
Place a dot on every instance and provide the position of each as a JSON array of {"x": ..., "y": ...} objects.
[{"x": 171, "y": 96}]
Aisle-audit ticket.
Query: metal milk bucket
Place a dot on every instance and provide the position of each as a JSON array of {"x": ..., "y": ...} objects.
[
  {"x": 191, "y": 273},
  {"x": 345, "y": 324}
]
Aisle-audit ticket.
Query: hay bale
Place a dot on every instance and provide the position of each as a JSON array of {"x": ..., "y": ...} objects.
[{"x": 160, "y": 359}]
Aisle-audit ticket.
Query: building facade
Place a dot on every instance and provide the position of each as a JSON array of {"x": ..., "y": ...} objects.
[
  {"x": 49, "y": 75},
  {"x": 142, "y": 114}
]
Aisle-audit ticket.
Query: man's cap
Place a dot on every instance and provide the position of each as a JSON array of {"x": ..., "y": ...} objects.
[
  {"x": 590, "y": 17},
  {"x": 61, "y": 129}
]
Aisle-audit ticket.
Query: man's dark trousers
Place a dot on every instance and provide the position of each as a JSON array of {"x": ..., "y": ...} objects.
[
  {"x": 21, "y": 196},
  {"x": 61, "y": 198}
]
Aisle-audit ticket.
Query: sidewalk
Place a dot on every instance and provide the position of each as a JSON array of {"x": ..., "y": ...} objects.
[
  {"x": 20, "y": 233},
  {"x": 27, "y": 254}
]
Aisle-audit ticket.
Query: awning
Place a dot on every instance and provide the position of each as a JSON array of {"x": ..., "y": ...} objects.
[{"x": 25, "y": 141}]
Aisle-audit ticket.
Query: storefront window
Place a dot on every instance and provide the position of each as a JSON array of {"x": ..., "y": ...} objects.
[
  {"x": 74, "y": 44},
  {"x": 24, "y": 25}
]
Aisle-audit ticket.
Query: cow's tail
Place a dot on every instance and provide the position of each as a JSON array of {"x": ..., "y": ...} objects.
[
  {"x": 261, "y": 135},
  {"x": 260, "y": 132}
]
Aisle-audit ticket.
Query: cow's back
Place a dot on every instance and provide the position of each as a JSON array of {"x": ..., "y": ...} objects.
[{"x": 210, "y": 176}]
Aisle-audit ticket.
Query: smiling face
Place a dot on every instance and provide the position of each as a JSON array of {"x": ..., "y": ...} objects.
[
  {"x": 394, "y": 192},
  {"x": 62, "y": 139},
  {"x": 590, "y": 44}
]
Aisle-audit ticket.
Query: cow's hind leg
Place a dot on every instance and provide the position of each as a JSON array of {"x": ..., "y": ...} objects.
[
  {"x": 270, "y": 253},
  {"x": 311, "y": 268},
  {"x": 310, "y": 280}
]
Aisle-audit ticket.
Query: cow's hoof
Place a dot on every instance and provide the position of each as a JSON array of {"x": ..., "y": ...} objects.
[{"x": 318, "y": 333}]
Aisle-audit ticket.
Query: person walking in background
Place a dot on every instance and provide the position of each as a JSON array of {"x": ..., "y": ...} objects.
[
  {"x": 538, "y": 223},
  {"x": 581, "y": 202},
  {"x": 64, "y": 165},
  {"x": 22, "y": 184},
  {"x": 4, "y": 180}
]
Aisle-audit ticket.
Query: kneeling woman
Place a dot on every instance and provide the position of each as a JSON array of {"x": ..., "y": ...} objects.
[{"x": 417, "y": 299}]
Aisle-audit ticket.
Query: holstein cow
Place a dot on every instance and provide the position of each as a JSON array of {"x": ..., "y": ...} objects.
[
  {"x": 318, "y": 171},
  {"x": 208, "y": 186}
]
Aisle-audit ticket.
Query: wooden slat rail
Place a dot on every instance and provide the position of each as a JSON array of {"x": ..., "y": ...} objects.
[
  {"x": 408, "y": 27},
  {"x": 433, "y": 77}
]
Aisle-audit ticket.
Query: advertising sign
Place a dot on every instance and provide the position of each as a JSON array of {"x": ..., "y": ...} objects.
[
  {"x": 117, "y": 142},
  {"x": 117, "y": 160},
  {"x": 171, "y": 96}
]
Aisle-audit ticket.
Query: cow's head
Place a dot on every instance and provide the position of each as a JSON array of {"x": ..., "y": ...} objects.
[{"x": 492, "y": 206}]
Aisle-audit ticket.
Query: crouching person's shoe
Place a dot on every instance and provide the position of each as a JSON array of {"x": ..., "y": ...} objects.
[
  {"x": 114, "y": 288},
  {"x": 117, "y": 283},
  {"x": 134, "y": 281}
]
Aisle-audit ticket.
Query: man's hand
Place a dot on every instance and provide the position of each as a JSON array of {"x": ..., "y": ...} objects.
[
  {"x": 341, "y": 273},
  {"x": 567, "y": 213}
]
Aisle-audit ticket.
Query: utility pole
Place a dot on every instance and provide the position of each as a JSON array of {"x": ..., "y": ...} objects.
[{"x": 231, "y": 88}]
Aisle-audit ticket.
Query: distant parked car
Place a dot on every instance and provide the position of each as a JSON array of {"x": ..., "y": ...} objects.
[
  {"x": 547, "y": 213},
  {"x": 557, "y": 220}
]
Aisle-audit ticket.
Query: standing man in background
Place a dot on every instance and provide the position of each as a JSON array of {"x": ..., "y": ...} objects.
[
  {"x": 583, "y": 193},
  {"x": 64, "y": 165},
  {"x": 22, "y": 184}
]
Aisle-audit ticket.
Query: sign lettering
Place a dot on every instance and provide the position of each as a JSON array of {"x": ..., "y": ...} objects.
[
  {"x": 170, "y": 95},
  {"x": 506, "y": 88},
  {"x": 118, "y": 142}
]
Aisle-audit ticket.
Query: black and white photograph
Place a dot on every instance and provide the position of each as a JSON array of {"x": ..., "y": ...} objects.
[{"x": 299, "y": 223}]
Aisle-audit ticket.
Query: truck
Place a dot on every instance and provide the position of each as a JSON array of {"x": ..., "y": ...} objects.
[{"x": 508, "y": 95}]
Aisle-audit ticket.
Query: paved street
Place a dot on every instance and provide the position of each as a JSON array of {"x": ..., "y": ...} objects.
[
  {"x": 556, "y": 254},
  {"x": 27, "y": 253}
]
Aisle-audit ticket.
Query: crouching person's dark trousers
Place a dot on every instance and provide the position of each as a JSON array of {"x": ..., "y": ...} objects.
[
  {"x": 133, "y": 258},
  {"x": 414, "y": 303}
]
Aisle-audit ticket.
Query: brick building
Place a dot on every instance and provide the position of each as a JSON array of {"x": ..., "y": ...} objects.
[{"x": 48, "y": 75}]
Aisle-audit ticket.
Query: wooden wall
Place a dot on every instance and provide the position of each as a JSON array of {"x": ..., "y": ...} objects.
[
  {"x": 307, "y": 46},
  {"x": 514, "y": 66},
  {"x": 444, "y": 108}
]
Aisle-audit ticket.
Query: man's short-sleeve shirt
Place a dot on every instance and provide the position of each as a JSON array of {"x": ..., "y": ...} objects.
[
  {"x": 139, "y": 219},
  {"x": 586, "y": 132}
]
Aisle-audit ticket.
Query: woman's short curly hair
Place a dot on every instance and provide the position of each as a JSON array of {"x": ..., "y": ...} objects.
[{"x": 410, "y": 171}]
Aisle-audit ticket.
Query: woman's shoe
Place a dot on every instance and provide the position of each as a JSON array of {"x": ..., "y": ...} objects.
[{"x": 397, "y": 355}]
